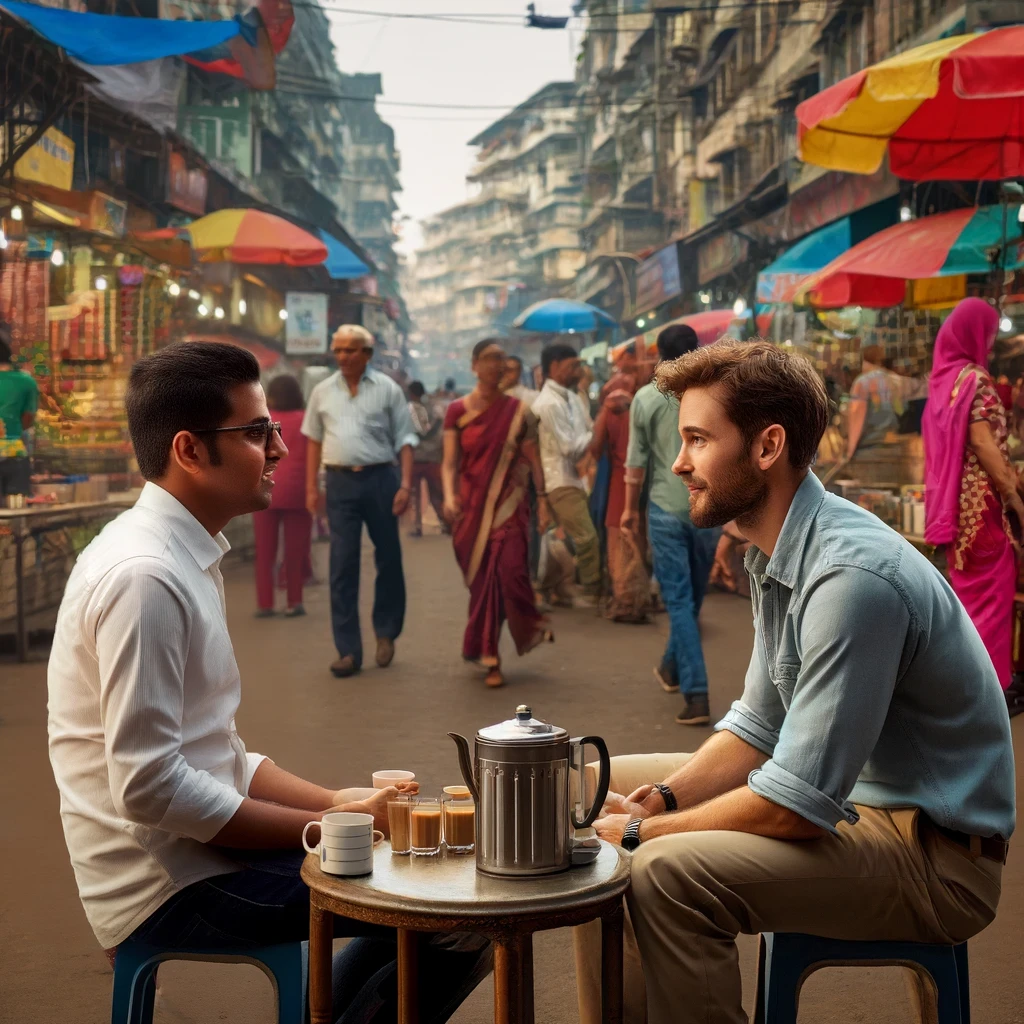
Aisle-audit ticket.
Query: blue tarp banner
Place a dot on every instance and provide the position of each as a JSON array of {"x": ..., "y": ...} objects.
[
  {"x": 113, "y": 39},
  {"x": 342, "y": 263}
]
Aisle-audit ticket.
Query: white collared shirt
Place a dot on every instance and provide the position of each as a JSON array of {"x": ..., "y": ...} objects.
[
  {"x": 565, "y": 435},
  {"x": 143, "y": 690},
  {"x": 525, "y": 395},
  {"x": 365, "y": 429}
]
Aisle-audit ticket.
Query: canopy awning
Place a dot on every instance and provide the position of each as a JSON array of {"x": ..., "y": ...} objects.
[
  {"x": 875, "y": 272},
  {"x": 779, "y": 280},
  {"x": 342, "y": 263},
  {"x": 709, "y": 326}
]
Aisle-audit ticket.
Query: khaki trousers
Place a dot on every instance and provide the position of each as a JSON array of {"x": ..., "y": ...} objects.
[
  {"x": 890, "y": 876},
  {"x": 569, "y": 506}
]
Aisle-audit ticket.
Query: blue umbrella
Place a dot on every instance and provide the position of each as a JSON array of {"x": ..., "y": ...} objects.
[{"x": 563, "y": 316}]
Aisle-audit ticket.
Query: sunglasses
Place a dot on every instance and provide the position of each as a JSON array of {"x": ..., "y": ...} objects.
[{"x": 267, "y": 430}]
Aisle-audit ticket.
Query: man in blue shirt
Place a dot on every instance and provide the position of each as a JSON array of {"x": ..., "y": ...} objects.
[{"x": 863, "y": 785}]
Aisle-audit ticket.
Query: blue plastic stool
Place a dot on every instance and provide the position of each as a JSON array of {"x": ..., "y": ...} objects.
[
  {"x": 135, "y": 977},
  {"x": 787, "y": 959}
]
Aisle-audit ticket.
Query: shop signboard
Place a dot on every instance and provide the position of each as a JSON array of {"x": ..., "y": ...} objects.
[
  {"x": 720, "y": 254},
  {"x": 306, "y": 326},
  {"x": 658, "y": 278},
  {"x": 186, "y": 186},
  {"x": 51, "y": 161},
  {"x": 107, "y": 215}
]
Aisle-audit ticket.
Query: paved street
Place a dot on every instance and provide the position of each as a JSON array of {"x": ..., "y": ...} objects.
[{"x": 595, "y": 679}]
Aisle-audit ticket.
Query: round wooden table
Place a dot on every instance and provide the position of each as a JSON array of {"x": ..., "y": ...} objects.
[{"x": 447, "y": 894}]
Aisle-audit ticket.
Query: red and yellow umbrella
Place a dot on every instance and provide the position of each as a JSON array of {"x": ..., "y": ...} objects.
[
  {"x": 251, "y": 236},
  {"x": 951, "y": 109}
]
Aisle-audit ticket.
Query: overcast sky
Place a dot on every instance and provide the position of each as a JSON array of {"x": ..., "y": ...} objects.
[{"x": 438, "y": 62}]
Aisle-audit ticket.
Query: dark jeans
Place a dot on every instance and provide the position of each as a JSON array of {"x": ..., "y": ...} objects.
[
  {"x": 15, "y": 476},
  {"x": 267, "y": 902},
  {"x": 683, "y": 556},
  {"x": 354, "y": 499}
]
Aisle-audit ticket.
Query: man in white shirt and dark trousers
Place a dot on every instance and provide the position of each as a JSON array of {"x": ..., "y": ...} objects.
[
  {"x": 357, "y": 422},
  {"x": 565, "y": 436},
  {"x": 178, "y": 835}
]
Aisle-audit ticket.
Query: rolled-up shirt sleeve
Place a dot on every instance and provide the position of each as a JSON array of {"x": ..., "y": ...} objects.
[
  {"x": 402, "y": 427},
  {"x": 142, "y": 629},
  {"x": 638, "y": 452},
  {"x": 841, "y": 694},
  {"x": 313, "y": 422},
  {"x": 556, "y": 418}
]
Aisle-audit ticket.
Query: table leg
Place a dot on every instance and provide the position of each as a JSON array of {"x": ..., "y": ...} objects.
[
  {"x": 611, "y": 965},
  {"x": 513, "y": 969},
  {"x": 321, "y": 937},
  {"x": 20, "y": 631},
  {"x": 408, "y": 977}
]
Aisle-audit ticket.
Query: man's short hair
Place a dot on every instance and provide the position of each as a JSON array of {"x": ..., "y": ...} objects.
[
  {"x": 676, "y": 340},
  {"x": 555, "y": 354},
  {"x": 356, "y": 331},
  {"x": 516, "y": 360},
  {"x": 759, "y": 385},
  {"x": 873, "y": 354},
  {"x": 416, "y": 389},
  {"x": 449, "y": 383},
  {"x": 182, "y": 387}
]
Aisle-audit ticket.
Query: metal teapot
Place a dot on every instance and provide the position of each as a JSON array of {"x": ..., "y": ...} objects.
[{"x": 520, "y": 781}]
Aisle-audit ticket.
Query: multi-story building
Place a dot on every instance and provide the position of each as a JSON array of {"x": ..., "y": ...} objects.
[{"x": 516, "y": 239}]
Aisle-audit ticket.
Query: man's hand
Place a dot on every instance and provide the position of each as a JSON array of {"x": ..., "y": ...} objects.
[
  {"x": 377, "y": 805},
  {"x": 610, "y": 828},
  {"x": 313, "y": 501},
  {"x": 632, "y": 805},
  {"x": 359, "y": 794},
  {"x": 630, "y": 521},
  {"x": 401, "y": 502}
]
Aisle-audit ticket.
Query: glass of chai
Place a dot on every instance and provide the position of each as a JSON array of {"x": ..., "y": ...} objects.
[
  {"x": 400, "y": 823},
  {"x": 459, "y": 814},
  {"x": 425, "y": 832}
]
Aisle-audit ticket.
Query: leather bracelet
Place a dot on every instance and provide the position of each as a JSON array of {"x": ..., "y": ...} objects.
[{"x": 671, "y": 804}]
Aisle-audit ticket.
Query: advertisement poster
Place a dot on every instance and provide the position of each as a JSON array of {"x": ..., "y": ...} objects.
[{"x": 306, "y": 326}]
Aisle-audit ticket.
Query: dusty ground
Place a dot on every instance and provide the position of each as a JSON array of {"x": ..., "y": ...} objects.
[{"x": 595, "y": 679}]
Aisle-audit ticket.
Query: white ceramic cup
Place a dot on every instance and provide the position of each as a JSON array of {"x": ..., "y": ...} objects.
[
  {"x": 347, "y": 868},
  {"x": 391, "y": 777},
  {"x": 346, "y": 837}
]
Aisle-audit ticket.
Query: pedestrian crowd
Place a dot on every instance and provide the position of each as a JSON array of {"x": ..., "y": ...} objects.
[{"x": 861, "y": 788}]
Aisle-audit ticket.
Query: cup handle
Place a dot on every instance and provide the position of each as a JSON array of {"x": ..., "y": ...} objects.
[
  {"x": 378, "y": 836},
  {"x": 305, "y": 845}
]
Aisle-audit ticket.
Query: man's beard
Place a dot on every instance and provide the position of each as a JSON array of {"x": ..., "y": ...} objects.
[{"x": 740, "y": 493}]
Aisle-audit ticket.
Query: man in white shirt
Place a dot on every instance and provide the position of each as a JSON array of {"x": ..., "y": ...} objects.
[
  {"x": 565, "y": 436},
  {"x": 177, "y": 834}
]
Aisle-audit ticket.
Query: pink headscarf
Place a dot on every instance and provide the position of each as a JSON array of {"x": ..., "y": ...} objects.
[{"x": 965, "y": 338}]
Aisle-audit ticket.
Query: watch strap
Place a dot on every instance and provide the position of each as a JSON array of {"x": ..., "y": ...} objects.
[
  {"x": 669, "y": 797},
  {"x": 631, "y": 834}
]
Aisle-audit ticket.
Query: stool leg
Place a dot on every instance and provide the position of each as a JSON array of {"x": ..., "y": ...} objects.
[
  {"x": 144, "y": 996},
  {"x": 963, "y": 978},
  {"x": 783, "y": 970},
  {"x": 287, "y": 964},
  {"x": 942, "y": 966},
  {"x": 759, "y": 996}
]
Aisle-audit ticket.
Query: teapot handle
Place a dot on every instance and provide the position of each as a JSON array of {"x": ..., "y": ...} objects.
[{"x": 602, "y": 782}]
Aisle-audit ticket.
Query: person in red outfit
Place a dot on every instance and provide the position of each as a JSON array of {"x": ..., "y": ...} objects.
[{"x": 287, "y": 508}]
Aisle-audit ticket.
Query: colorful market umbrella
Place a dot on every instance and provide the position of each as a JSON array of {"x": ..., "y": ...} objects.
[
  {"x": 709, "y": 326},
  {"x": 951, "y": 109},
  {"x": 251, "y": 236},
  {"x": 875, "y": 272},
  {"x": 562, "y": 316}
]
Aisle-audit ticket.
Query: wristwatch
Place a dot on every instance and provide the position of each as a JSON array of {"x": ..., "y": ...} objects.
[
  {"x": 631, "y": 836},
  {"x": 668, "y": 796}
]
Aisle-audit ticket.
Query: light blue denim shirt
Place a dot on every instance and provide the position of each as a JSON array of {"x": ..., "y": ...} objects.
[{"x": 869, "y": 683}]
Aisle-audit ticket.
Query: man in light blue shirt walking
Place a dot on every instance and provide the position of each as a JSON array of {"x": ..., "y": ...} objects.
[
  {"x": 357, "y": 423},
  {"x": 863, "y": 785}
]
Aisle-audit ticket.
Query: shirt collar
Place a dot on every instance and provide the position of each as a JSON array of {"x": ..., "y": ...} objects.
[
  {"x": 785, "y": 560},
  {"x": 201, "y": 546},
  {"x": 369, "y": 376},
  {"x": 558, "y": 389}
]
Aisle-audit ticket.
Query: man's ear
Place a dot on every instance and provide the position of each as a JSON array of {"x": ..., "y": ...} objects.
[
  {"x": 189, "y": 452},
  {"x": 769, "y": 446}
]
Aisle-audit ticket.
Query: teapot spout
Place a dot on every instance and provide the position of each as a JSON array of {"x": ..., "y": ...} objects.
[{"x": 466, "y": 764}]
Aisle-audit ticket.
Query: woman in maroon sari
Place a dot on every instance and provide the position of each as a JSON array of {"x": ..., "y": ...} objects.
[{"x": 488, "y": 457}]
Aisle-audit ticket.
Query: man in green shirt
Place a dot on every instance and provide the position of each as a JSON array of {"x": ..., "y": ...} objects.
[
  {"x": 19, "y": 399},
  {"x": 683, "y": 554}
]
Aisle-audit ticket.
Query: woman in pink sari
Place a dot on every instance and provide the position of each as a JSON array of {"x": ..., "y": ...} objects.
[
  {"x": 489, "y": 454},
  {"x": 972, "y": 489}
]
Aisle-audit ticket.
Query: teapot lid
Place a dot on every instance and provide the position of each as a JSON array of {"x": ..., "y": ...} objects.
[{"x": 524, "y": 728}]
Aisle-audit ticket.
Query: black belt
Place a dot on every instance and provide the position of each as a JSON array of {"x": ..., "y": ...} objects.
[
  {"x": 989, "y": 847},
  {"x": 358, "y": 469}
]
